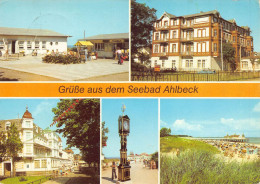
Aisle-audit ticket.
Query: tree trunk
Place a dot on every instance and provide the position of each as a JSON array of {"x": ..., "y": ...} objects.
[{"x": 13, "y": 165}]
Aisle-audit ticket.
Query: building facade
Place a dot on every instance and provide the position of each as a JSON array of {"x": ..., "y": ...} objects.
[
  {"x": 20, "y": 40},
  {"x": 42, "y": 149},
  {"x": 106, "y": 44},
  {"x": 193, "y": 42}
]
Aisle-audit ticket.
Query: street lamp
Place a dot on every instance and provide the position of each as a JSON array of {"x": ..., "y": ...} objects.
[{"x": 123, "y": 130}]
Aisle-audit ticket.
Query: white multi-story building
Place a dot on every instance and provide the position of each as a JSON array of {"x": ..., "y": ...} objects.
[
  {"x": 42, "y": 149},
  {"x": 18, "y": 40}
]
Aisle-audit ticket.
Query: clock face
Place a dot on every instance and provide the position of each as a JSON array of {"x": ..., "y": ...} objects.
[{"x": 125, "y": 125}]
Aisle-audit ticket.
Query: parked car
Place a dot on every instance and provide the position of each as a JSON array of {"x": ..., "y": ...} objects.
[{"x": 207, "y": 71}]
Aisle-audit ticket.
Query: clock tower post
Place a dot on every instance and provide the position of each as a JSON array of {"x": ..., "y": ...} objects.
[{"x": 123, "y": 130}]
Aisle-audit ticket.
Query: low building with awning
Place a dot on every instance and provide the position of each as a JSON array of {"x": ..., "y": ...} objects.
[{"x": 105, "y": 44}]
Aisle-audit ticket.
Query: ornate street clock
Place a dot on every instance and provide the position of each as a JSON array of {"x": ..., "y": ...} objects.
[{"x": 123, "y": 130}]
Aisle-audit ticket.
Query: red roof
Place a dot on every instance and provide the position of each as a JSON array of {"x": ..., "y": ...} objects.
[{"x": 27, "y": 114}]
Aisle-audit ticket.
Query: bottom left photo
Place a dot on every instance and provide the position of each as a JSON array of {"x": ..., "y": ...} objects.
[{"x": 50, "y": 140}]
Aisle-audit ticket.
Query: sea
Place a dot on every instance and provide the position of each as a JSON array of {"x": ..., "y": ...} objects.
[{"x": 253, "y": 140}]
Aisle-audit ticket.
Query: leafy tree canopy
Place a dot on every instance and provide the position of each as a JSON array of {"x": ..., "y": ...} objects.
[
  {"x": 142, "y": 18},
  {"x": 229, "y": 55},
  {"x": 81, "y": 126},
  {"x": 104, "y": 132},
  {"x": 165, "y": 132}
]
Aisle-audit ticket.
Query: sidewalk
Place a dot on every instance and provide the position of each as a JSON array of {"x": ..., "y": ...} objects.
[
  {"x": 138, "y": 174},
  {"x": 71, "y": 72}
]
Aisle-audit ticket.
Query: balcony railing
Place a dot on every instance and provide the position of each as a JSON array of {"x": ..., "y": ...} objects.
[
  {"x": 188, "y": 25},
  {"x": 162, "y": 40},
  {"x": 188, "y": 38},
  {"x": 187, "y": 53},
  {"x": 165, "y": 27},
  {"x": 162, "y": 54}
]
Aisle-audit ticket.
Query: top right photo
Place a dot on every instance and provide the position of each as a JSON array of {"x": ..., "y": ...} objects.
[{"x": 200, "y": 40}]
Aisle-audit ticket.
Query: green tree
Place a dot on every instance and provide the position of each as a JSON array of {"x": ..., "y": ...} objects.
[
  {"x": 229, "y": 55},
  {"x": 2, "y": 145},
  {"x": 142, "y": 19},
  {"x": 253, "y": 59},
  {"x": 14, "y": 145},
  {"x": 104, "y": 132},
  {"x": 81, "y": 126},
  {"x": 165, "y": 132}
]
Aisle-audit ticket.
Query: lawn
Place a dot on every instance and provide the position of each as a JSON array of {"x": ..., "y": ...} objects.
[
  {"x": 19, "y": 180},
  {"x": 170, "y": 144}
]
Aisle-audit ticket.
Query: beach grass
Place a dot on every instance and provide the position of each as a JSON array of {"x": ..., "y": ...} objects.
[
  {"x": 172, "y": 143},
  {"x": 195, "y": 166}
]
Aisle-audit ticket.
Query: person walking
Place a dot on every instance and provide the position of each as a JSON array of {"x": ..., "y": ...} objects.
[
  {"x": 86, "y": 54},
  {"x": 113, "y": 170},
  {"x": 118, "y": 54}
]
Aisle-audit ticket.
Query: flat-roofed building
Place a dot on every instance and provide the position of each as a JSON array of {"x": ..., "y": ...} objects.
[
  {"x": 17, "y": 40},
  {"x": 193, "y": 42},
  {"x": 42, "y": 148},
  {"x": 106, "y": 44}
]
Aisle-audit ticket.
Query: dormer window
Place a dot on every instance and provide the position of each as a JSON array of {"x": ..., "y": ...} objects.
[{"x": 7, "y": 125}]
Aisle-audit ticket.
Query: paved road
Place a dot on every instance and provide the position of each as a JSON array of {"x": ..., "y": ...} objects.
[
  {"x": 73, "y": 178},
  {"x": 71, "y": 72},
  {"x": 139, "y": 175}
]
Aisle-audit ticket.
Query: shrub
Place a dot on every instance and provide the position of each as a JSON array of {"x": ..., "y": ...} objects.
[{"x": 61, "y": 59}]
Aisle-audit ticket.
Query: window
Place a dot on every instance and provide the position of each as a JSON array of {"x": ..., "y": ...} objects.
[
  {"x": 56, "y": 43},
  {"x": 37, "y": 164},
  {"x": 29, "y": 45},
  {"x": 199, "y": 33},
  {"x": 99, "y": 46},
  {"x": 7, "y": 125},
  {"x": 28, "y": 135},
  {"x": 234, "y": 38},
  {"x": 155, "y": 62},
  {"x": 203, "y": 63},
  {"x": 199, "y": 63},
  {"x": 189, "y": 63},
  {"x": 164, "y": 49},
  {"x": 248, "y": 43},
  {"x": 51, "y": 43},
  {"x": 175, "y": 22},
  {"x": 28, "y": 124},
  {"x": 173, "y": 63},
  {"x": 44, "y": 44},
  {"x": 156, "y": 49},
  {"x": 165, "y": 23},
  {"x": 21, "y": 44},
  {"x": 174, "y": 34},
  {"x": 245, "y": 64},
  {"x": 163, "y": 63},
  {"x": 203, "y": 33},
  {"x": 173, "y": 47},
  {"x": 37, "y": 45},
  {"x": 1, "y": 45},
  {"x": 28, "y": 149},
  {"x": 215, "y": 47},
  {"x": 156, "y": 36},
  {"x": 44, "y": 163}
]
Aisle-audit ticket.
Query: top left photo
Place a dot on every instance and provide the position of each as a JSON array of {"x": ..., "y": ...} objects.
[{"x": 80, "y": 40}]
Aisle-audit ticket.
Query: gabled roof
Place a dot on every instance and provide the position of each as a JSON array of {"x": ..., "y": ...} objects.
[
  {"x": 168, "y": 15},
  {"x": 107, "y": 36},
  {"x": 201, "y": 13},
  {"x": 29, "y": 32}
]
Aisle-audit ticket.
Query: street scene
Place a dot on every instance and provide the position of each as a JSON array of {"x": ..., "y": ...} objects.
[
  {"x": 203, "y": 42},
  {"x": 133, "y": 156},
  {"x": 209, "y": 141},
  {"x": 50, "y": 140},
  {"x": 50, "y": 42}
]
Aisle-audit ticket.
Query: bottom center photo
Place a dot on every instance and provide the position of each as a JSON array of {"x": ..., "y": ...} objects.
[{"x": 129, "y": 141}]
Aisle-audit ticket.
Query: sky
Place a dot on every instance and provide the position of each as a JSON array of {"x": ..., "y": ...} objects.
[
  {"x": 67, "y": 17},
  {"x": 245, "y": 12},
  {"x": 211, "y": 117},
  {"x": 41, "y": 110},
  {"x": 143, "y": 114}
]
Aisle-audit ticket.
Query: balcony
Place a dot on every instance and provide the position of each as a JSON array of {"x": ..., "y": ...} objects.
[
  {"x": 162, "y": 54},
  {"x": 161, "y": 40},
  {"x": 165, "y": 27},
  {"x": 187, "y": 26},
  {"x": 187, "y": 39},
  {"x": 187, "y": 53}
]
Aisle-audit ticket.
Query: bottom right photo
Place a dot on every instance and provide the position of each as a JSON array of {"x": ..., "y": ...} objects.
[{"x": 209, "y": 141}]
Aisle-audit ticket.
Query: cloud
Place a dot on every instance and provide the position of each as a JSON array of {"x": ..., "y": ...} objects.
[
  {"x": 241, "y": 124},
  {"x": 183, "y": 125},
  {"x": 257, "y": 107}
]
